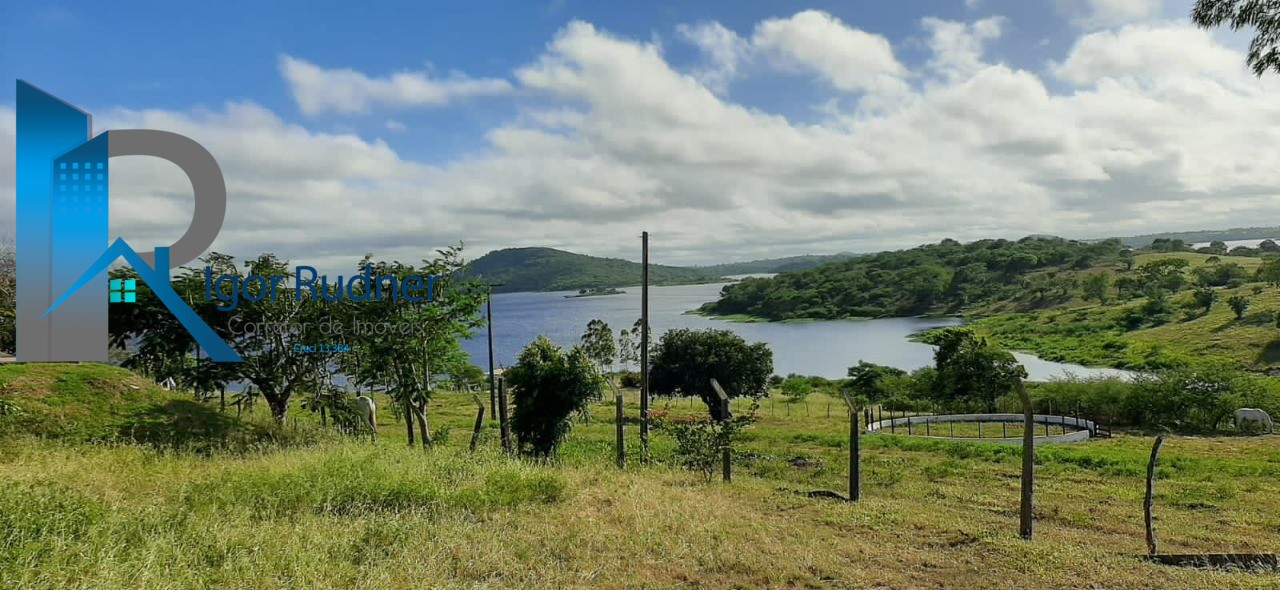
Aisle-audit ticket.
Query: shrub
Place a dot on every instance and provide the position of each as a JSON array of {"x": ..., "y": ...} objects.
[
  {"x": 550, "y": 385},
  {"x": 796, "y": 388},
  {"x": 630, "y": 379},
  {"x": 702, "y": 441}
]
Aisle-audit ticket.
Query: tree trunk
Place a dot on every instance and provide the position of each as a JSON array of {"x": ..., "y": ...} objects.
[
  {"x": 420, "y": 413},
  {"x": 279, "y": 406},
  {"x": 408, "y": 422},
  {"x": 222, "y": 398}
]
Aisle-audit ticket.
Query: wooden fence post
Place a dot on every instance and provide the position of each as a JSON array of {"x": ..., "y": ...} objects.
[
  {"x": 475, "y": 432},
  {"x": 1147, "y": 501},
  {"x": 1027, "y": 523},
  {"x": 622, "y": 448},
  {"x": 855, "y": 456},
  {"x": 726, "y": 463},
  {"x": 503, "y": 420}
]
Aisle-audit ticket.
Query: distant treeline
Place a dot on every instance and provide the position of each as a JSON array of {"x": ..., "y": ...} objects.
[{"x": 1202, "y": 236}]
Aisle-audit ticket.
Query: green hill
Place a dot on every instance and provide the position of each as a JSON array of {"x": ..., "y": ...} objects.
[
  {"x": 98, "y": 402},
  {"x": 947, "y": 277},
  {"x": 548, "y": 269}
]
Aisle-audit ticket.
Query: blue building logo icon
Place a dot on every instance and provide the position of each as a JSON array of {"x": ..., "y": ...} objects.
[{"x": 62, "y": 230}]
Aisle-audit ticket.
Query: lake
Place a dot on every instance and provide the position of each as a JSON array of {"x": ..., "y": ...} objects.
[{"x": 826, "y": 348}]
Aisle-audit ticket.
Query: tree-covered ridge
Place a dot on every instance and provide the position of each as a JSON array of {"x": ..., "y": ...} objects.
[
  {"x": 773, "y": 265},
  {"x": 548, "y": 269},
  {"x": 945, "y": 277}
]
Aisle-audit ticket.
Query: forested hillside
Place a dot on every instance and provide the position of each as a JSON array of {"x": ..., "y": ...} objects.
[
  {"x": 548, "y": 269},
  {"x": 947, "y": 277}
]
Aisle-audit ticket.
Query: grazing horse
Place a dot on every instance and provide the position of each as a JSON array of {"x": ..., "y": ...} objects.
[
  {"x": 368, "y": 414},
  {"x": 1246, "y": 416}
]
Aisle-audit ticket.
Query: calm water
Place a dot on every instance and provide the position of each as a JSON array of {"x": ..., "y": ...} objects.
[{"x": 813, "y": 348}]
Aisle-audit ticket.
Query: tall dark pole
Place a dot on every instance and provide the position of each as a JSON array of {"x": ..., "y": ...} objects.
[
  {"x": 644, "y": 349},
  {"x": 493, "y": 389}
]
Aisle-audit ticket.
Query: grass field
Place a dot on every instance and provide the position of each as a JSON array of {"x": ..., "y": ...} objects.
[{"x": 317, "y": 511}]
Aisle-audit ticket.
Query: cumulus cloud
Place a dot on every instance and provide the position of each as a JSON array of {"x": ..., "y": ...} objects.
[
  {"x": 849, "y": 58},
  {"x": 318, "y": 90},
  {"x": 1145, "y": 127}
]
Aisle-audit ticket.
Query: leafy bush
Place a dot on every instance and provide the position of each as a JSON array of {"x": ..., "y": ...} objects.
[
  {"x": 796, "y": 389},
  {"x": 549, "y": 386},
  {"x": 630, "y": 379},
  {"x": 700, "y": 440}
]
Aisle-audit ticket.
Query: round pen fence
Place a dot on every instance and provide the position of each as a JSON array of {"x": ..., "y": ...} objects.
[{"x": 998, "y": 427}]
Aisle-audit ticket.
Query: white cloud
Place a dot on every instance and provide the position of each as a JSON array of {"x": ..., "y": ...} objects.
[
  {"x": 724, "y": 51},
  {"x": 850, "y": 59},
  {"x": 394, "y": 125},
  {"x": 318, "y": 90},
  {"x": 958, "y": 47},
  {"x": 1097, "y": 14},
  {"x": 1147, "y": 127}
]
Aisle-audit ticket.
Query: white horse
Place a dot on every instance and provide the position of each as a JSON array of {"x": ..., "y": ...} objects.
[
  {"x": 368, "y": 414},
  {"x": 1246, "y": 416}
]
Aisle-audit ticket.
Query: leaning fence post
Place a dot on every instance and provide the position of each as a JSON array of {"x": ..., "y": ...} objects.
[
  {"x": 726, "y": 463},
  {"x": 1146, "y": 502},
  {"x": 475, "y": 432}
]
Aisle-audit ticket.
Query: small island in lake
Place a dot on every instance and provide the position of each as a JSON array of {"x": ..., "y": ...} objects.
[{"x": 594, "y": 292}]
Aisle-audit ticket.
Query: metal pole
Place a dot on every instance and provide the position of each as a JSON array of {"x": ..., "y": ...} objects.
[{"x": 644, "y": 347}]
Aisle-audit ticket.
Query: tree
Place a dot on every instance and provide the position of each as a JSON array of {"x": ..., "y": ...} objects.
[
  {"x": 685, "y": 361},
  {"x": 549, "y": 386},
  {"x": 1238, "y": 304},
  {"x": 867, "y": 380},
  {"x": 1205, "y": 297},
  {"x": 628, "y": 347},
  {"x": 971, "y": 371},
  {"x": 270, "y": 363},
  {"x": 1095, "y": 286},
  {"x": 1262, "y": 16},
  {"x": 796, "y": 388},
  {"x": 598, "y": 344},
  {"x": 8, "y": 297},
  {"x": 1165, "y": 274},
  {"x": 411, "y": 341},
  {"x": 1270, "y": 272}
]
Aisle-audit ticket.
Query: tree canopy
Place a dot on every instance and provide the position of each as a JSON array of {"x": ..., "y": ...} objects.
[
  {"x": 1263, "y": 16},
  {"x": 685, "y": 361}
]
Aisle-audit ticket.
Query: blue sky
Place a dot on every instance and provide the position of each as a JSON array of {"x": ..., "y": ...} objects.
[
  {"x": 796, "y": 127},
  {"x": 148, "y": 55}
]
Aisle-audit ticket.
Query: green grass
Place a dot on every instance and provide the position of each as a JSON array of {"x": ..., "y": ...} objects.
[
  {"x": 344, "y": 514},
  {"x": 1092, "y": 334}
]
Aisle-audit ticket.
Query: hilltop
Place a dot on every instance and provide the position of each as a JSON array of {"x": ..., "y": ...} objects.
[
  {"x": 549, "y": 269},
  {"x": 775, "y": 265}
]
